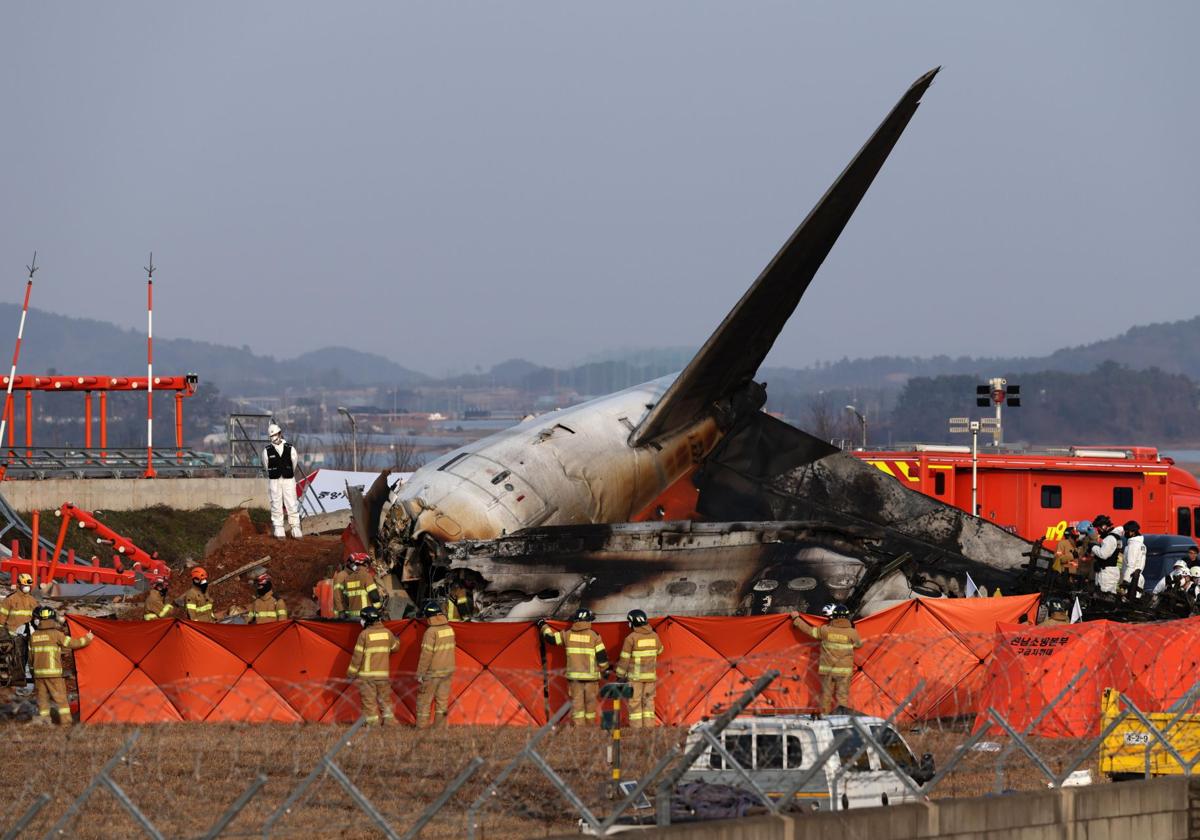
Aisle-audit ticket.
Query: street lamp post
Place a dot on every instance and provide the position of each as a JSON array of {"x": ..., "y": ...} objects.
[
  {"x": 353, "y": 435},
  {"x": 961, "y": 425},
  {"x": 862, "y": 419}
]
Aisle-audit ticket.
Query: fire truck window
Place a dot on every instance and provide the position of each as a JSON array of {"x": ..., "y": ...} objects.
[
  {"x": 770, "y": 752},
  {"x": 1122, "y": 498},
  {"x": 1183, "y": 522},
  {"x": 795, "y": 752},
  {"x": 1196, "y": 516},
  {"x": 939, "y": 483},
  {"x": 1051, "y": 496}
]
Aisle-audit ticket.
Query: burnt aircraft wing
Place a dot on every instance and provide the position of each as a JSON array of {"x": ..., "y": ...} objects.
[{"x": 730, "y": 358}]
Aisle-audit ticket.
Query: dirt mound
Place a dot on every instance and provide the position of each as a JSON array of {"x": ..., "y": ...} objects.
[
  {"x": 237, "y": 526},
  {"x": 295, "y": 567}
]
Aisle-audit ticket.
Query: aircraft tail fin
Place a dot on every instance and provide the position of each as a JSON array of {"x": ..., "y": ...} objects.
[{"x": 733, "y": 353}]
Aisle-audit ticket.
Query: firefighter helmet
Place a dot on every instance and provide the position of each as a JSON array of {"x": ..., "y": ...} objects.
[
  {"x": 263, "y": 580},
  {"x": 24, "y": 579},
  {"x": 1194, "y": 572},
  {"x": 161, "y": 585},
  {"x": 370, "y": 615},
  {"x": 198, "y": 574},
  {"x": 584, "y": 614},
  {"x": 432, "y": 608},
  {"x": 44, "y": 613},
  {"x": 273, "y": 430},
  {"x": 358, "y": 558},
  {"x": 839, "y": 611},
  {"x": 637, "y": 618}
]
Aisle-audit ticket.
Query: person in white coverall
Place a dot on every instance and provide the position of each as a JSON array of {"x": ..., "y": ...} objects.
[
  {"x": 282, "y": 462},
  {"x": 1108, "y": 555},
  {"x": 1135, "y": 560}
]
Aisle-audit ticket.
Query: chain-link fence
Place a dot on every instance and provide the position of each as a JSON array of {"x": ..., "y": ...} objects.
[{"x": 741, "y": 741}]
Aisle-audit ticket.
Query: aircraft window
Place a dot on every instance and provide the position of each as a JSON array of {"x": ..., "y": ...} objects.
[
  {"x": 452, "y": 461},
  {"x": 1184, "y": 521},
  {"x": 564, "y": 428},
  {"x": 795, "y": 752},
  {"x": 1051, "y": 496},
  {"x": 500, "y": 476},
  {"x": 1122, "y": 498},
  {"x": 849, "y": 747},
  {"x": 939, "y": 482}
]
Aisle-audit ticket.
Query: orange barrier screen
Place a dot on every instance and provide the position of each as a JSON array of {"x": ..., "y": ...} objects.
[{"x": 171, "y": 670}]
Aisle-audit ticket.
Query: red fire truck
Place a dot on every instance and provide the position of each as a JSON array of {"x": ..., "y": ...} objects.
[{"x": 1038, "y": 493}]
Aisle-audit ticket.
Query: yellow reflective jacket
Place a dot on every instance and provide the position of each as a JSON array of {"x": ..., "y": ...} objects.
[
  {"x": 587, "y": 659},
  {"x": 16, "y": 610},
  {"x": 199, "y": 605},
  {"x": 266, "y": 609},
  {"x": 437, "y": 649},
  {"x": 46, "y": 645},
  {"x": 352, "y": 592},
  {"x": 639, "y": 655},
  {"x": 371, "y": 652},
  {"x": 156, "y": 606},
  {"x": 838, "y": 641}
]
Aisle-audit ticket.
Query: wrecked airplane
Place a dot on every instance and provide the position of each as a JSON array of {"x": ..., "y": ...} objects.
[{"x": 536, "y": 520}]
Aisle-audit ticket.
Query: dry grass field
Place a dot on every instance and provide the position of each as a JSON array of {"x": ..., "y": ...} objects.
[{"x": 183, "y": 776}]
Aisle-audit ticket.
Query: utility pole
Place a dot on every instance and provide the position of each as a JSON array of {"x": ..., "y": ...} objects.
[
  {"x": 12, "y": 374},
  {"x": 149, "y": 269},
  {"x": 965, "y": 425}
]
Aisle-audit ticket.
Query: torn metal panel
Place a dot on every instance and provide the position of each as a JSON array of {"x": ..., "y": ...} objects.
[
  {"x": 756, "y": 473},
  {"x": 676, "y": 568}
]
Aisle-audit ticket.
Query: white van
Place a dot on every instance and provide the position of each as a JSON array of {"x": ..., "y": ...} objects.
[{"x": 777, "y": 750}]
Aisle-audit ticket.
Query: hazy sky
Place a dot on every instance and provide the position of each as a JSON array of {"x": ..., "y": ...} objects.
[{"x": 454, "y": 183}]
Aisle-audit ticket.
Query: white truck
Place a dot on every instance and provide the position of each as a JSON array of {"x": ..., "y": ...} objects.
[{"x": 777, "y": 750}]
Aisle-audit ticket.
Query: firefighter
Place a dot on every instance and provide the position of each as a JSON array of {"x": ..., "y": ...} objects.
[
  {"x": 838, "y": 640},
  {"x": 1135, "y": 560},
  {"x": 1066, "y": 552},
  {"x": 587, "y": 660},
  {"x": 199, "y": 605},
  {"x": 354, "y": 588},
  {"x": 46, "y": 646},
  {"x": 282, "y": 463},
  {"x": 436, "y": 667},
  {"x": 458, "y": 601},
  {"x": 265, "y": 607},
  {"x": 369, "y": 667},
  {"x": 1056, "y": 613},
  {"x": 637, "y": 664},
  {"x": 1107, "y": 554},
  {"x": 17, "y": 609},
  {"x": 157, "y": 606}
]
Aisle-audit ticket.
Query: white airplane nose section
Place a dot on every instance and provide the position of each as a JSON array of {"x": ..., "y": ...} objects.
[{"x": 503, "y": 486}]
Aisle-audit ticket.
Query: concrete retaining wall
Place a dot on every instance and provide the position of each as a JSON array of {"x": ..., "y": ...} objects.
[
  {"x": 1162, "y": 809},
  {"x": 135, "y": 493}
]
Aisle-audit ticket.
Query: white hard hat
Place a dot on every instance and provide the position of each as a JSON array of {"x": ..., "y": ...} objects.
[
  {"x": 1194, "y": 572},
  {"x": 1181, "y": 564},
  {"x": 273, "y": 430}
]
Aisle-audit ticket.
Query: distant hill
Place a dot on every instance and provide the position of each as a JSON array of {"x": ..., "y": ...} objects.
[
  {"x": 83, "y": 345},
  {"x": 1170, "y": 347},
  {"x": 61, "y": 343}
]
